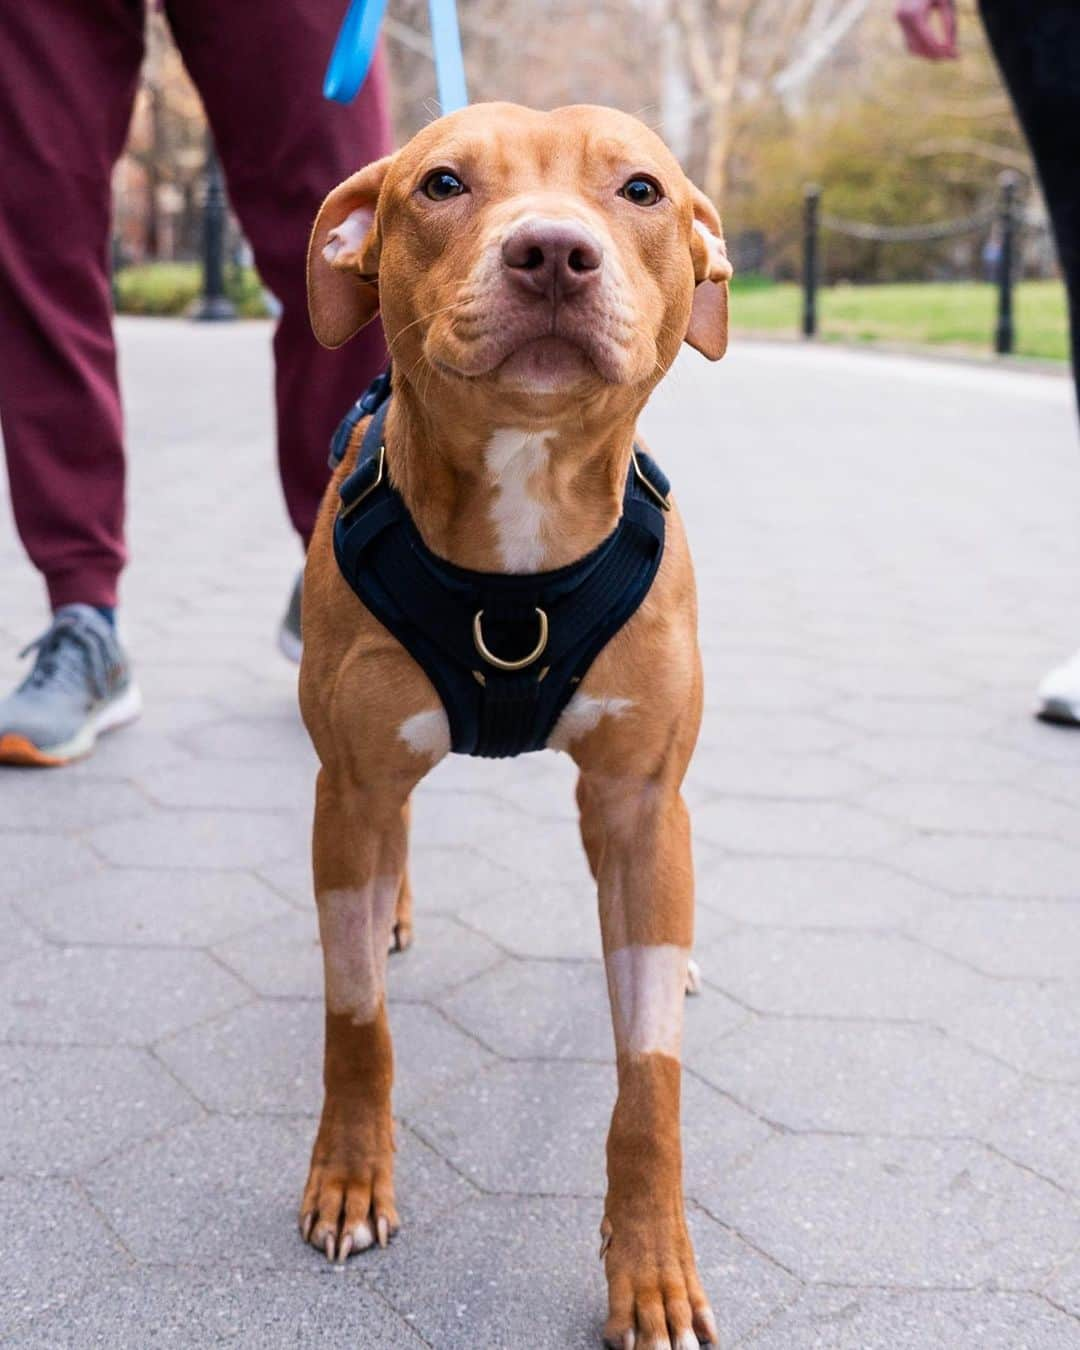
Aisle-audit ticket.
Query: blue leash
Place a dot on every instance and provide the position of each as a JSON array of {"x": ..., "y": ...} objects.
[{"x": 355, "y": 47}]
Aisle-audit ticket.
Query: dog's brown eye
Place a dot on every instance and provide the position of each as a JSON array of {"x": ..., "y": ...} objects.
[
  {"x": 641, "y": 191},
  {"x": 441, "y": 185}
]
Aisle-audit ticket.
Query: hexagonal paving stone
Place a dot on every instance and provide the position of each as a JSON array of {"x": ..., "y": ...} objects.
[
  {"x": 66, "y": 1109},
  {"x": 453, "y": 880},
  {"x": 800, "y": 777},
  {"x": 283, "y": 959},
  {"x": 821, "y": 829},
  {"x": 1029, "y": 939},
  {"x": 981, "y": 866},
  {"x": 898, "y": 1212},
  {"x": 940, "y": 808},
  {"x": 540, "y": 854},
  {"x": 186, "y": 1308},
  {"x": 943, "y": 760},
  {"x": 280, "y": 959},
  {"x": 549, "y": 921},
  {"x": 55, "y": 1247},
  {"x": 266, "y": 739},
  {"x": 538, "y": 1010},
  {"x": 267, "y": 1057},
  {"x": 154, "y": 907},
  {"x": 861, "y": 1319},
  {"x": 824, "y": 974},
  {"x": 29, "y": 862},
  {"x": 1040, "y": 1128},
  {"x": 38, "y": 806},
  {"x": 755, "y": 732},
  {"x": 1033, "y": 1027},
  {"x": 540, "y": 1128},
  {"x": 917, "y": 717},
  {"x": 16, "y": 935},
  {"x": 444, "y": 955},
  {"x": 811, "y": 892},
  {"x": 228, "y": 1191},
  {"x": 856, "y": 1077},
  {"x": 203, "y": 839},
  {"x": 743, "y": 1286},
  {"x": 111, "y": 995},
  {"x": 244, "y": 784},
  {"x": 1064, "y": 1289},
  {"x": 504, "y": 1272}
]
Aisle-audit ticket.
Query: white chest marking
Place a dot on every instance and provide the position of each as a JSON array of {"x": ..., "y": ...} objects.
[
  {"x": 356, "y": 926},
  {"x": 648, "y": 986},
  {"x": 427, "y": 733},
  {"x": 513, "y": 458},
  {"x": 583, "y": 714}
]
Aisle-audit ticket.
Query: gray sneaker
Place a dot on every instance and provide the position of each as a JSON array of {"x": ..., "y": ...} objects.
[
  {"x": 80, "y": 686},
  {"x": 290, "y": 640}
]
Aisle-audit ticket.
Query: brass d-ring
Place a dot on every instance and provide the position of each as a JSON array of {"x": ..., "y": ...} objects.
[{"x": 497, "y": 661}]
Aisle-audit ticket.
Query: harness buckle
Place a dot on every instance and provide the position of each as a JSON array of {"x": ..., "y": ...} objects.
[
  {"x": 380, "y": 473},
  {"x": 653, "y": 491},
  {"x": 497, "y": 661}
]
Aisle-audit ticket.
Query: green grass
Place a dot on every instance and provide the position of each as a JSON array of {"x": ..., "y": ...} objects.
[
  {"x": 169, "y": 288},
  {"x": 936, "y": 314}
]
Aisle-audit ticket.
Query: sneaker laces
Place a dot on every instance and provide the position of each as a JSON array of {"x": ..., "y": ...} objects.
[{"x": 70, "y": 655}]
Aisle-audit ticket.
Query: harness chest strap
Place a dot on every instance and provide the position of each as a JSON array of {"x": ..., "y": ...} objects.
[{"x": 504, "y": 652}]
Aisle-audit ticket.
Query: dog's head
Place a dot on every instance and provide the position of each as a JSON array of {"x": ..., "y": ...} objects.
[{"x": 529, "y": 253}]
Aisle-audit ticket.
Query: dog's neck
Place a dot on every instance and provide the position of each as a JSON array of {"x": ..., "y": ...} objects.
[{"x": 497, "y": 492}]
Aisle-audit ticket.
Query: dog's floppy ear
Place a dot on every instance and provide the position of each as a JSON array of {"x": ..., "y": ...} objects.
[
  {"x": 343, "y": 257},
  {"x": 712, "y": 272}
]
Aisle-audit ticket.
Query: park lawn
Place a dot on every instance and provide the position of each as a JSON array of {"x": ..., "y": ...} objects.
[
  {"x": 162, "y": 288},
  {"x": 940, "y": 314},
  {"x": 957, "y": 313}
]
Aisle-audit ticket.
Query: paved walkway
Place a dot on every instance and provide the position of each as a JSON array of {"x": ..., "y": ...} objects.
[{"x": 882, "y": 1103}]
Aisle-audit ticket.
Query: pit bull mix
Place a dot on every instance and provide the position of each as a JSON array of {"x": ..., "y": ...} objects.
[{"x": 536, "y": 274}]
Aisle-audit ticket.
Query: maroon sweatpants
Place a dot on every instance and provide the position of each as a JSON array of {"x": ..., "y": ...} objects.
[{"x": 68, "y": 74}]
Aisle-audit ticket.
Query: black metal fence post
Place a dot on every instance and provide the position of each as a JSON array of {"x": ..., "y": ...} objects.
[
  {"x": 811, "y": 207},
  {"x": 1004, "y": 333},
  {"x": 214, "y": 304}
]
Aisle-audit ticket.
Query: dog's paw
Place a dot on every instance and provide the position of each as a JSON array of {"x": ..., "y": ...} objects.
[
  {"x": 655, "y": 1299},
  {"x": 342, "y": 1213},
  {"x": 403, "y": 937},
  {"x": 693, "y": 978}
]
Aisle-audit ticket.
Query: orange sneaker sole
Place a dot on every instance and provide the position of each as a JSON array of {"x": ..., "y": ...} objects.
[{"x": 18, "y": 750}]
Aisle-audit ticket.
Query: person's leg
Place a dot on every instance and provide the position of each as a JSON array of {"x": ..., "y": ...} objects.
[
  {"x": 68, "y": 74},
  {"x": 283, "y": 147},
  {"x": 1037, "y": 46}
]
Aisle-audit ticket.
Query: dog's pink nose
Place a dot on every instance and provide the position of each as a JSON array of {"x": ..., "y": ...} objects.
[{"x": 552, "y": 258}]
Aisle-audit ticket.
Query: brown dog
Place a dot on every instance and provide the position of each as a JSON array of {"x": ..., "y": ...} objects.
[{"x": 536, "y": 274}]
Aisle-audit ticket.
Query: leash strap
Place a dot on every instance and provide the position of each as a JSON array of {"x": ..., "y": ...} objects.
[
  {"x": 358, "y": 40},
  {"x": 449, "y": 62},
  {"x": 354, "y": 50}
]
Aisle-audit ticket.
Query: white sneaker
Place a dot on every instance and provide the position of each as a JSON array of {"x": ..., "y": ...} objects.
[{"x": 1059, "y": 695}]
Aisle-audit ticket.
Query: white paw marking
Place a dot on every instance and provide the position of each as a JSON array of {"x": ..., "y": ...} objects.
[
  {"x": 356, "y": 926},
  {"x": 648, "y": 986},
  {"x": 427, "y": 733},
  {"x": 347, "y": 237},
  {"x": 583, "y": 714},
  {"x": 512, "y": 458}
]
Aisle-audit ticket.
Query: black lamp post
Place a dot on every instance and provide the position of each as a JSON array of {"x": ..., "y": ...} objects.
[{"x": 214, "y": 305}]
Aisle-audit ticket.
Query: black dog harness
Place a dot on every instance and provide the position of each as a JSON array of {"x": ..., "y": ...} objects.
[{"x": 504, "y": 652}]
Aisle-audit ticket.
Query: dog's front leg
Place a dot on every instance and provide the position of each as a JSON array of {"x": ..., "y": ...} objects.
[
  {"x": 640, "y": 834},
  {"x": 359, "y": 855}
]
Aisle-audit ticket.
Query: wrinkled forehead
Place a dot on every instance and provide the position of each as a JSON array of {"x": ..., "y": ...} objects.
[{"x": 506, "y": 149}]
